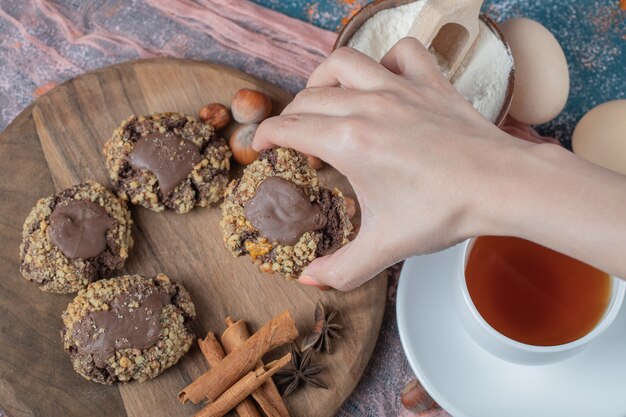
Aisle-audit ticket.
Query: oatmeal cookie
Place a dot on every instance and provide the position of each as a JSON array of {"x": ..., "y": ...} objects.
[
  {"x": 75, "y": 237},
  {"x": 128, "y": 328},
  {"x": 168, "y": 160},
  {"x": 279, "y": 215}
]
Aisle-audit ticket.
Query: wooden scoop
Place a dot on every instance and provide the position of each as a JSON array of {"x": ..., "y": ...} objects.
[{"x": 450, "y": 27}]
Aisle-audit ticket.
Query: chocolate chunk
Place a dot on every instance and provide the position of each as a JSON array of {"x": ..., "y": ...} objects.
[
  {"x": 282, "y": 212},
  {"x": 132, "y": 321},
  {"x": 79, "y": 228},
  {"x": 168, "y": 156},
  {"x": 270, "y": 156}
]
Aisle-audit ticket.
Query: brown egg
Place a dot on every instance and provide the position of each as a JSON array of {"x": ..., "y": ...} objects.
[
  {"x": 600, "y": 136},
  {"x": 541, "y": 74},
  {"x": 241, "y": 144}
]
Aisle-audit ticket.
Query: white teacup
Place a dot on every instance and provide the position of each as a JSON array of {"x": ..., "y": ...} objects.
[{"x": 512, "y": 350}]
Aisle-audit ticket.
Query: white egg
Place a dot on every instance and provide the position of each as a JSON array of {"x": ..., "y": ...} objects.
[
  {"x": 541, "y": 74},
  {"x": 600, "y": 136}
]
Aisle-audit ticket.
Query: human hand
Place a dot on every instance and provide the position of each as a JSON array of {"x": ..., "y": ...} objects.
[{"x": 419, "y": 157}]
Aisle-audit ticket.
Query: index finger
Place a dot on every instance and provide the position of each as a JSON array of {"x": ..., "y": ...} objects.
[{"x": 308, "y": 133}]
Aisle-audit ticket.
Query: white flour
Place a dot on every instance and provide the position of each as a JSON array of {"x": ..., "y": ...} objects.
[{"x": 482, "y": 77}]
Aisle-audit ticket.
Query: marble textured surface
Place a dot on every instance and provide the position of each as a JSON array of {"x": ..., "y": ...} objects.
[{"x": 44, "y": 42}]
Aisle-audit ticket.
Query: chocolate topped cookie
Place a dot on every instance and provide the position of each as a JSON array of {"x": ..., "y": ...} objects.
[
  {"x": 279, "y": 215},
  {"x": 168, "y": 160},
  {"x": 75, "y": 237},
  {"x": 129, "y": 327}
]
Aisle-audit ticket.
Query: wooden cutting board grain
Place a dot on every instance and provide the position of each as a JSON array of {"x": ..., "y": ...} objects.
[{"x": 55, "y": 143}]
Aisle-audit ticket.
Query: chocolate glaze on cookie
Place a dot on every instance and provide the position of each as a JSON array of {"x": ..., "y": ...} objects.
[
  {"x": 131, "y": 322},
  {"x": 170, "y": 158},
  {"x": 78, "y": 228},
  {"x": 282, "y": 212}
]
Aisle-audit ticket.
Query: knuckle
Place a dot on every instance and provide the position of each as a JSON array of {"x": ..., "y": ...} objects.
[
  {"x": 281, "y": 124},
  {"x": 379, "y": 100},
  {"x": 343, "y": 53},
  {"x": 333, "y": 276},
  {"x": 336, "y": 279},
  {"x": 373, "y": 73},
  {"x": 407, "y": 42},
  {"x": 304, "y": 94},
  {"x": 345, "y": 287},
  {"x": 349, "y": 131},
  {"x": 297, "y": 103},
  {"x": 325, "y": 100},
  {"x": 264, "y": 127},
  {"x": 311, "y": 96},
  {"x": 437, "y": 81},
  {"x": 289, "y": 120}
]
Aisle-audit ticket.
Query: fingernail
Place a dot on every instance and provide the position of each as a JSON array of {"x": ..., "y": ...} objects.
[{"x": 308, "y": 280}]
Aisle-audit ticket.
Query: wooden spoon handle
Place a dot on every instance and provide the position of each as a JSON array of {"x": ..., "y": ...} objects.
[{"x": 450, "y": 26}]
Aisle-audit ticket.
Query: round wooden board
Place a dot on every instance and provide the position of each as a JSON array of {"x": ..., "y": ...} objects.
[{"x": 55, "y": 143}]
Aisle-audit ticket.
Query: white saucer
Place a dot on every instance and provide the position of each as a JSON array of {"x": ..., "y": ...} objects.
[{"x": 468, "y": 381}]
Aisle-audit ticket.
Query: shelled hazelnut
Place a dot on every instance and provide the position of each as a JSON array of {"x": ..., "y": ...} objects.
[
  {"x": 250, "y": 106},
  {"x": 216, "y": 114}
]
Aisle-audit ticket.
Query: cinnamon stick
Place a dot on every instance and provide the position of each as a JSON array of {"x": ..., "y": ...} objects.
[
  {"x": 278, "y": 331},
  {"x": 267, "y": 395},
  {"x": 213, "y": 353},
  {"x": 244, "y": 387},
  {"x": 211, "y": 349}
]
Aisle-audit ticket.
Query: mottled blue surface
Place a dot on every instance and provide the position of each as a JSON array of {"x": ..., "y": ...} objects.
[{"x": 592, "y": 34}]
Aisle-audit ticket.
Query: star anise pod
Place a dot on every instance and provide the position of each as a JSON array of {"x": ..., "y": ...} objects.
[
  {"x": 323, "y": 330},
  {"x": 301, "y": 371}
]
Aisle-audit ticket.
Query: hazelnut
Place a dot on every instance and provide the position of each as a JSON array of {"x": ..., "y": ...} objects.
[
  {"x": 355, "y": 231},
  {"x": 241, "y": 144},
  {"x": 350, "y": 206},
  {"x": 215, "y": 114},
  {"x": 415, "y": 398},
  {"x": 250, "y": 106},
  {"x": 314, "y": 162}
]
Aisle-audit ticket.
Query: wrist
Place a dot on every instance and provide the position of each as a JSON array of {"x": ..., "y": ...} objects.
[
  {"x": 521, "y": 187},
  {"x": 509, "y": 186}
]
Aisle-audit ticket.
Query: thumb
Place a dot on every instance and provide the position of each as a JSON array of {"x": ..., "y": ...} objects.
[{"x": 346, "y": 269}]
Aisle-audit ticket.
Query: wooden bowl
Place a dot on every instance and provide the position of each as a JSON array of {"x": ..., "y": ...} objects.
[{"x": 353, "y": 25}]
